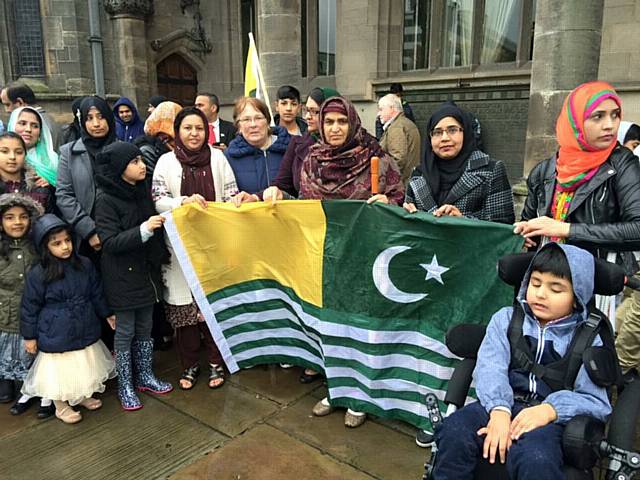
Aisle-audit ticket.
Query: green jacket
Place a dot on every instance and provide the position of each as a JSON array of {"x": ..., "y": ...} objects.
[
  {"x": 22, "y": 256},
  {"x": 401, "y": 140}
]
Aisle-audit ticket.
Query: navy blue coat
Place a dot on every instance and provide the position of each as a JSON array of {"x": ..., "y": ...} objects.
[
  {"x": 65, "y": 314},
  {"x": 254, "y": 168}
]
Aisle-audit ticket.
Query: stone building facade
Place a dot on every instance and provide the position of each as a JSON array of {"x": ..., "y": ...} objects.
[{"x": 511, "y": 62}]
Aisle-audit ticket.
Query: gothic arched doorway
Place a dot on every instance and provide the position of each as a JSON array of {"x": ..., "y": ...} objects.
[{"x": 177, "y": 80}]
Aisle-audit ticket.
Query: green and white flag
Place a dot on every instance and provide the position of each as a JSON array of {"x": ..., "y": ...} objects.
[{"x": 364, "y": 293}]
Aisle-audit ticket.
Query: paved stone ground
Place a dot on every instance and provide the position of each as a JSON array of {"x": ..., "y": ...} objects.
[{"x": 259, "y": 426}]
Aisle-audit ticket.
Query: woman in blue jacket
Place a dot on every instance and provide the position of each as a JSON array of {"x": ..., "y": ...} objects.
[{"x": 256, "y": 152}]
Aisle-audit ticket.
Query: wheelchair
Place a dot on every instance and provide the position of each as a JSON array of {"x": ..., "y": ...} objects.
[{"x": 589, "y": 446}]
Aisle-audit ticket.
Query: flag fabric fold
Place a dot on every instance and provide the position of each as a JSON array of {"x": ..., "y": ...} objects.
[{"x": 364, "y": 293}]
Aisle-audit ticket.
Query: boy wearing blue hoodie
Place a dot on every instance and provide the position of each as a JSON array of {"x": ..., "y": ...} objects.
[{"x": 518, "y": 418}]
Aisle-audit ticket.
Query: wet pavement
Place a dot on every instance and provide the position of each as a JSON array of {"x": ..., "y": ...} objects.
[{"x": 258, "y": 426}]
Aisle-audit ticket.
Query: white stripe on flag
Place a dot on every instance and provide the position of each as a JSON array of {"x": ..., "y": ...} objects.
[
  {"x": 264, "y": 316},
  {"x": 198, "y": 293},
  {"x": 385, "y": 403},
  {"x": 279, "y": 350},
  {"x": 333, "y": 329},
  {"x": 275, "y": 333},
  {"x": 394, "y": 360},
  {"x": 393, "y": 384}
]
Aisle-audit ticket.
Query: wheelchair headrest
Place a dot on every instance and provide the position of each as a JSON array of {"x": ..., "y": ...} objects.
[
  {"x": 464, "y": 340},
  {"x": 609, "y": 277}
]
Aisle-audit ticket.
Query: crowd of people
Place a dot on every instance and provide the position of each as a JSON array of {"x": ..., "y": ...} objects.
[{"x": 82, "y": 249}]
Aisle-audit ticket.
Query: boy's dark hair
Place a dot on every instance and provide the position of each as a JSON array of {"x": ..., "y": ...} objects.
[
  {"x": 632, "y": 134},
  {"x": 551, "y": 259},
  {"x": 396, "y": 88},
  {"x": 23, "y": 91},
  {"x": 288, "y": 92},
  {"x": 15, "y": 136},
  {"x": 213, "y": 98},
  {"x": 53, "y": 266}
]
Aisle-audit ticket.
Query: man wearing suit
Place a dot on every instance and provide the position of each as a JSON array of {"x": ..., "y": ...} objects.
[
  {"x": 401, "y": 138},
  {"x": 221, "y": 132}
]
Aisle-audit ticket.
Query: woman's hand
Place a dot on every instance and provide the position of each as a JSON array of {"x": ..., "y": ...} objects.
[
  {"x": 31, "y": 346},
  {"x": 272, "y": 194},
  {"x": 542, "y": 227},
  {"x": 244, "y": 197},
  {"x": 497, "y": 436},
  {"x": 410, "y": 207},
  {"x": 518, "y": 228},
  {"x": 94, "y": 242},
  {"x": 531, "y": 418},
  {"x": 195, "y": 198},
  {"x": 41, "y": 182},
  {"x": 111, "y": 320},
  {"x": 379, "y": 197},
  {"x": 447, "y": 209},
  {"x": 154, "y": 222}
]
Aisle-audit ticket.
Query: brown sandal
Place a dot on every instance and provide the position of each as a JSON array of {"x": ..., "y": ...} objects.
[{"x": 216, "y": 372}]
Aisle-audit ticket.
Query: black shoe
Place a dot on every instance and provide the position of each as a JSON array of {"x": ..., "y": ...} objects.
[
  {"x": 46, "y": 412},
  {"x": 630, "y": 376},
  {"x": 424, "y": 439},
  {"x": 306, "y": 378},
  {"x": 19, "y": 408},
  {"x": 6, "y": 391}
]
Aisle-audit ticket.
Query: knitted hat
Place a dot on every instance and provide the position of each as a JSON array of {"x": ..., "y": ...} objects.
[{"x": 115, "y": 157}]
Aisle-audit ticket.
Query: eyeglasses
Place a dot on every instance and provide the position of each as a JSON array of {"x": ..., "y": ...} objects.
[
  {"x": 314, "y": 112},
  {"x": 438, "y": 132},
  {"x": 249, "y": 120}
]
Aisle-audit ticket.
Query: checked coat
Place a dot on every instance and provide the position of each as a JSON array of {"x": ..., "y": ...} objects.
[{"x": 482, "y": 191}]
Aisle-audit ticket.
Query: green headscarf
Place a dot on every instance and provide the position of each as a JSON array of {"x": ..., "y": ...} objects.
[{"x": 42, "y": 157}]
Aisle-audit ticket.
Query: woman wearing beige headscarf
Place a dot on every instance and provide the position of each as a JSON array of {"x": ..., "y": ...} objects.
[{"x": 158, "y": 138}]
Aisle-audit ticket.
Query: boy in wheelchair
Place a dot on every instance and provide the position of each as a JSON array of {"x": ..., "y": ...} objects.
[{"x": 521, "y": 377}]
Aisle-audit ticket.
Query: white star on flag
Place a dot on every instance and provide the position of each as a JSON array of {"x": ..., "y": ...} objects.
[{"x": 434, "y": 270}]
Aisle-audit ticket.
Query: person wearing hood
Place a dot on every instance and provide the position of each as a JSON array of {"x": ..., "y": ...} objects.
[
  {"x": 133, "y": 251},
  {"x": 76, "y": 191},
  {"x": 41, "y": 156},
  {"x": 519, "y": 418},
  {"x": 454, "y": 177},
  {"x": 257, "y": 151},
  {"x": 128, "y": 123},
  {"x": 629, "y": 136},
  {"x": 159, "y": 136},
  {"x": 194, "y": 172},
  {"x": 17, "y": 256}
]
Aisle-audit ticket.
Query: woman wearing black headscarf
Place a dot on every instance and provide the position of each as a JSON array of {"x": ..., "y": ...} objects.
[
  {"x": 76, "y": 190},
  {"x": 454, "y": 177}
]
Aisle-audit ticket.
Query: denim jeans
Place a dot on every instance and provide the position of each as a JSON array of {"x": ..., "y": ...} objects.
[{"x": 536, "y": 455}]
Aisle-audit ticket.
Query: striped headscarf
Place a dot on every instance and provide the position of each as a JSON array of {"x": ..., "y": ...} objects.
[
  {"x": 578, "y": 161},
  {"x": 576, "y": 157}
]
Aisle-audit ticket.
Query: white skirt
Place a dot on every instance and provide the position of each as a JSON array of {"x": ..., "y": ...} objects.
[{"x": 70, "y": 376}]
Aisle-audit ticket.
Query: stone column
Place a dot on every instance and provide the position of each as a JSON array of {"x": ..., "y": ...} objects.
[
  {"x": 278, "y": 40},
  {"x": 566, "y": 53},
  {"x": 130, "y": 45}
]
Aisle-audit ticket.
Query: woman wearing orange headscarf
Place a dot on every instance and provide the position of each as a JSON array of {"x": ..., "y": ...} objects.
[
  {"x": 588, "y": 194},
  {"x": 158, "y": 138}
]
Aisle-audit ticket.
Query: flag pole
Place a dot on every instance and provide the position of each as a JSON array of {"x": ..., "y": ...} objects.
[
  {"x": 375, "y": 175},
  {"x": 261, "y": 81}
]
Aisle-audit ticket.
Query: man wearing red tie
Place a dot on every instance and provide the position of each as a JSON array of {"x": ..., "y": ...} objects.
[{"x": 221, "y": 132}]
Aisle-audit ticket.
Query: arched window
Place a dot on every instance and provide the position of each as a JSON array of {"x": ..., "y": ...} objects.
[
  {"x": 177, "y": 80},
  {"x": 27, "y": 51}
]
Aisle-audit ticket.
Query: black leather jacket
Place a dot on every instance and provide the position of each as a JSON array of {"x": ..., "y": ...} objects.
[{"x": 604, "y": 213}]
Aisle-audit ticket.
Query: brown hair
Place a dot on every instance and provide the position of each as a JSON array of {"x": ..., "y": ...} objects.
[{"x": 242, "y": 102}]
